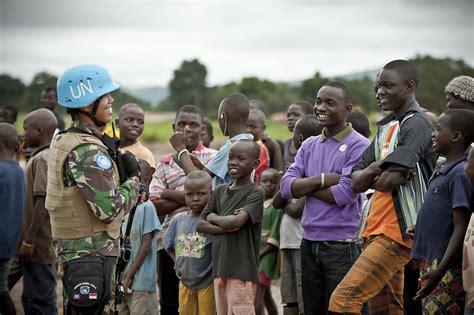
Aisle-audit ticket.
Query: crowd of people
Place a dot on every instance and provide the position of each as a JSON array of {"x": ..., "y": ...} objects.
[{"x": 349, "y": 225}]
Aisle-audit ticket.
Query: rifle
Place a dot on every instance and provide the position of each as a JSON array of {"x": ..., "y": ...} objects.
[{"x": 122, "y": 262}]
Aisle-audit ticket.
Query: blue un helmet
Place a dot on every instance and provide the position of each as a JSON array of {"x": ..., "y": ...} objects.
[{"x": 82, "y": 85}]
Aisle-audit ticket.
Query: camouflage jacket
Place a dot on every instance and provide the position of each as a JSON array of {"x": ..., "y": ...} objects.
[{"x": 105, "y": 199}]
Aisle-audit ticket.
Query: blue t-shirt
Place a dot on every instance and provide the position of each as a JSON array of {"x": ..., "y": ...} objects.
[
  {"x": 449, "y": 188},
  {"x": 145, "y": 221},
  {"x": 218, "y": 165},
  {"x": 12, "y": 190},
  {"x": 193, "y": 252}
]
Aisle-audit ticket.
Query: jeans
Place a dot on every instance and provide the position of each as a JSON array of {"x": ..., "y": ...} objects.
[
  {"x": 324, "y": 264},
  {"x": 39, "y": 286}
]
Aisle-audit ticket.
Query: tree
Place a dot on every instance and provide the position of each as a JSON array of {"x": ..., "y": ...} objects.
[
  {"x": 11, "y": 90},
  {"x": 32, "y": 94},
  {"x": 188, "y": 85}
]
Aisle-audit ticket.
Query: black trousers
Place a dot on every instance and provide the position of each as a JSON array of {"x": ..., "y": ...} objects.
[{"x": 168, "y": 284}]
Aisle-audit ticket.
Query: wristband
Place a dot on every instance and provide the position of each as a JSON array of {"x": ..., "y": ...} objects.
[
  {"x": 181, "y": 152},
  {"x": 26, "y": 244},
  {"x": 322, "y": 180}
]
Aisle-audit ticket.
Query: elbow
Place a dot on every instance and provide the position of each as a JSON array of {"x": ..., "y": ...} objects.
[
  {"x": 356, "y": 188},
  {"x": 200, "y": 227}
]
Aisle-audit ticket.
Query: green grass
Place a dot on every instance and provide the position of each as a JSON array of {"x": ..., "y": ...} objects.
[{"x": 161, "y": 132}]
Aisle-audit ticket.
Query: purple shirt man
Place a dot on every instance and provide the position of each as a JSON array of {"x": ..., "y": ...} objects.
[{"x": 323, "y": 221}]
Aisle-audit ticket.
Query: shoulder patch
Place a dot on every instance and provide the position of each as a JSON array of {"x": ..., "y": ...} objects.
[{"x": 103, "y": 161}]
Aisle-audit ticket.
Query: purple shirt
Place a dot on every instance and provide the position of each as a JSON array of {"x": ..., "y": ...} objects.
[{"x": 323, "y": 221}]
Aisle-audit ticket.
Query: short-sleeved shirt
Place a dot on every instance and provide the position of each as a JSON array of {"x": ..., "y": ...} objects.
[
  {"x": 449, "y": 188},
  {"x": 170, "y": 175},
  {"x": 218, "y": 166},
  {"x": 141, "y": 152},
  {"x": 145, "y": 221},
  {"x": 291, "y": 231},
  {"x": 192, "y": 250},
  {"x": 405, "y": 145},
  {"x": 35, "y": 180},
  {"x": 270, "y": 235},
  {"x": 235, "y": 255},
  {"x": 12, "y": 189}
]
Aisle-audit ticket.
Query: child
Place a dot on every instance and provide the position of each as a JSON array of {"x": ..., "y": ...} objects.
[
  {"x": 207, "y": 134},
  {"x": 140, "y": 274},
  {"x": 444, "y": 216},
  {"x": 167, "y": 194},
  {"x": 396, "y": 165},
  {"x": 291, "y": 232},
  {"x": 191, "y": 250},
  {"x": 256, "y": 126},
  {"x": 11, "y": 211},
  {"x": 269, "y": 243},
  {"x": 34, "y": 258},
  {"x": 468, "y": 250},
  {"x": 235, "y": 210},
  {"x": 360, "y": 123},
  {"x": 296, "y": 111},
  {"x": 232, "y": 117},
  {"x": 330, "y": 220},
  {"x": 131, "y": 121}
]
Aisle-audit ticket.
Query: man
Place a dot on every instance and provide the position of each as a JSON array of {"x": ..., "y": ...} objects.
[
  {"x": 322, "y": 172},
  {"x": 86, "y": 197},
  {"x": 460, "y": 93},
  {"x": 49, "y": 100}
]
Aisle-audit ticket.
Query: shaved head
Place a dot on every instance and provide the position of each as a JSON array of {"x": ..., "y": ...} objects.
[
  {"x": 127, "y": 107},
  {"x": 43, "y": 118},
  {"x": 236, "y": 106},
  {"x": 8, "y": 136}
]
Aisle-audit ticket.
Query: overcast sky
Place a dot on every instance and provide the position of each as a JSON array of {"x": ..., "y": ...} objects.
[{"x": 142, "y": 42}]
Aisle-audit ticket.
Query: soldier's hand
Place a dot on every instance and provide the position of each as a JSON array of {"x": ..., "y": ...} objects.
[{"x": 130, "y": 164}]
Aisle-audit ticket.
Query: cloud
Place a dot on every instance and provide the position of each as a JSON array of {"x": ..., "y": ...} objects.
[{"x": 142, "y": 42}]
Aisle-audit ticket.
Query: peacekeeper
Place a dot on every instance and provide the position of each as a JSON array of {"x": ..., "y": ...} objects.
[{"x": 85, "y": 198}]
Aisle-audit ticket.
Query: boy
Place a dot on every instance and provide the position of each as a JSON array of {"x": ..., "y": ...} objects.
[
  {"x": 167, "y": 194},
  {"x": 232, "y": 117},
  {"x": 191, "y": 250},
  {"x": 49, "y": 100},
  {"x": 444, "y": 216},
  {"x": 360, "y": 123},
  {"x": 11, "y": 211},
  {"x": 295, "y": 112},
  {"x": 131, "y": 121},
  {"x": 269, "y": 244},
  {"x": 291, "y": 232},
  {"x": 235, "y": 210},
  {"x": 34, "y": 257},
  {"x": 330, "y": 221},
  {"x": 207, "y": 134},
  {"x": 140, "y": 274},
  {"x": 256, "y": 126},
  {"x": 396, "y": 165}
]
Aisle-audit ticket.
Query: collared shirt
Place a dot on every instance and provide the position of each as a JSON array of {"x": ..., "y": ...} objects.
[
  {"x": 449, "y": 188},
  {"x": 405, "y": 146},
  {"x": 218, "y": 166},
  {"x": 170, "y": 175},
  {"x": 322, "y": 221}
]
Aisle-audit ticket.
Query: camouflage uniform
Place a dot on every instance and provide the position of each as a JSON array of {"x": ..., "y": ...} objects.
[{"x": 99, "y": 188}]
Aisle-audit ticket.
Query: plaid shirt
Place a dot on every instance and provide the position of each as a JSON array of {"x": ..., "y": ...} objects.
[{"x": 169, "y": 175}]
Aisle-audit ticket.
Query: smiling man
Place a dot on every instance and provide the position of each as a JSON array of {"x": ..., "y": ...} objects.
[
  {"x": 322, "y": 172},
  {"x": 397, "y": 166}
]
